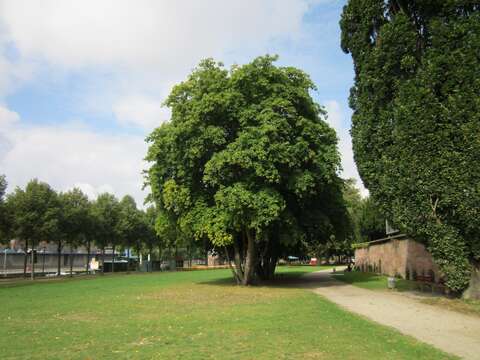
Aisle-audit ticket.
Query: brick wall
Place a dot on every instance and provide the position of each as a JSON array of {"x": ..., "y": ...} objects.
[{"x": 397, "y": 257}]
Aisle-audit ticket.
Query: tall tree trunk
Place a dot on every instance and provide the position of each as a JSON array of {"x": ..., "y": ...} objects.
[
  {"x": 113, "y": 259},
  {"x": 150, "y": 250},
  {"x": 267, "y": 261},
  {"x": 249, "y": 275},
  {"x": 103, "y": 260},
  {"x": 190, "y": 253},
  {"x": 266, "y": 267},
  {"x": 137, "y": 249},
  {"x": 25, "y": 259},
  {"x": 71, "y": 260},
  {"x": 128, "y": 259},
  {"x": 87, "y": 267},
  {"x": 32, "y": 261},
  {"x": 238, "y": 260},
  {"x": 473, "y": 290},
  {"x": 234, "y": 271},
  {"x": 59, "y": 257}
]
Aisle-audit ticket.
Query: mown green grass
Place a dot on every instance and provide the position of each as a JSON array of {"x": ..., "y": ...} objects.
[
  {"x": 371, "y": 281},
  {"x": 189, "y": 315}
]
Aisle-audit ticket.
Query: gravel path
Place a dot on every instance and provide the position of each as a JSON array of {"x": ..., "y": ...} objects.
[{"x": 449, "y": 331}]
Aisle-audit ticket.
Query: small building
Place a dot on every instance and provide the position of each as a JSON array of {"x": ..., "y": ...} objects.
[{"x": 396, "y": 255}]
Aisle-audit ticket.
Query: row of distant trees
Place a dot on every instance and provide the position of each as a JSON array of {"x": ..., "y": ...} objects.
[{"x": 38, "y": 213}]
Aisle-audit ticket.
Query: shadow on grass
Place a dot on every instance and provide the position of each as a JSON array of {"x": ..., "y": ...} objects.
[{"x": 291, "y": 279}]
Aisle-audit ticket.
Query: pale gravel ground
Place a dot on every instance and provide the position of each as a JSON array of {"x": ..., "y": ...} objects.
[{"x": 452, "y": 332}]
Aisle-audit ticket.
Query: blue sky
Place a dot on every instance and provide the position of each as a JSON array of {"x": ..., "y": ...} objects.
[{"x": 81, "y": 82}]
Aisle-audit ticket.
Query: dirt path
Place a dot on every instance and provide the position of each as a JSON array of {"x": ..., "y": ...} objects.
[{"x": 449, "y": 331}]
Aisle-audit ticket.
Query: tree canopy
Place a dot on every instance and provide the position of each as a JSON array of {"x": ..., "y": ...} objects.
[
  {"x": 75, "y": 212},
  {"x": 4, "y": 218},
  {"x": 35, "y": 214},
  {"x": 367, "y": 221},
  {"x": 416, "y": 120},
  {"x": 106, "y": 212},
  {"x": 248, "y": 163}
]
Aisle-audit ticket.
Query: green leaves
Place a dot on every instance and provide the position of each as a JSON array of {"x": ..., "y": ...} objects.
[
  {"x": 247, "y": 153},
  {"x": 35, "y": 211},
  {"x": 74, "y": 216},
  {"x": 416, "y": 121},
  {"x": 247, "y": 208},
  {"x": 106, "y": 212}
]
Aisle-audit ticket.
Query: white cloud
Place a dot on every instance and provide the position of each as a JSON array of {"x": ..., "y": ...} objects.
[
  {"x": 91, "y": 191},
  {"x": 131, "y": 52},
  {"x": 7, "y": 118},
  {"x": 145, "y": 32},
  {"x": 141, "y": 111},
  {"x": 69, "y": 156},
  {"x": 337, "y": 120},
  {"x": 144, "y": 46}
]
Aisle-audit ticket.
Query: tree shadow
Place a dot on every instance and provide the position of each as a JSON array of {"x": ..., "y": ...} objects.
[{"x": 292, "y": 279}]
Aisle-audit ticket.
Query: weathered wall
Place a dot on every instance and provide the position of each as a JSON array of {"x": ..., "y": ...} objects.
[
  {"x": 397, "y": 257},
  {"x": 420, "y": 262}
]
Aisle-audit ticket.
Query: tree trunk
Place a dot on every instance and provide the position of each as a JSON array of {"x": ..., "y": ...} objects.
[
  {"x": 238, "y": 260},
  {"x": 267, "y": 261},
  {"x": 113, "y": 259},
  {"x": 150, "y": 250},
  {"x": 59, "y": 258},
  {"x": 25, "y": 260},
  {"x": 103, "y": 260},
  {"x": 87, "y": 267},
  {"x": 32, "y": 261},
  {"x": 128, "y": 259},
  {"x": 71, "y": 260},
  {"x": 249, "y": 275},
  {"x": 137, "y": 249},
  {"x": 234, "y": 271},
  {"x": 266, "y": 267},
  {"x": 473, "y": 290}
]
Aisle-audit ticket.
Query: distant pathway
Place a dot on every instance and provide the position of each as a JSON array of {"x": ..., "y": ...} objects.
[{"x": 449, "y": 331}]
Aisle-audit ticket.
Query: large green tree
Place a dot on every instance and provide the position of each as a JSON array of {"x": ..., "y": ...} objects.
[
  {"x": 152, "y": 239},
  {"x": 35, "y": 213},
  {"x": 106, "y": 214},
  {"x": 74, "y": 222},
  {"x": 247, "y": 162},
  {"x": 130, "y": 225},
  {"x": 416, "y": 122}
]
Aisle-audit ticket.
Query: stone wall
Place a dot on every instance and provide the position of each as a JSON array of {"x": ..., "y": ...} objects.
[{"x": 397, "y": 257}]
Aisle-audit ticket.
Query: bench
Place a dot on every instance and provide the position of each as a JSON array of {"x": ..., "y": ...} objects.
[
  {"x": 426, "y": 281},
  {"x": 423, "y": 281}
]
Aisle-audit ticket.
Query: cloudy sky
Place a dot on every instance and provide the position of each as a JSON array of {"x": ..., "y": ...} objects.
[{"x": 82, "y": 82}]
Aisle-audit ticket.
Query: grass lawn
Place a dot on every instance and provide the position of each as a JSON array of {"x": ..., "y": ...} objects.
[
  {"x": 189, "y": 315},
  {"x": 379, "y": 282},
  {"x": 371, "y": 281}
]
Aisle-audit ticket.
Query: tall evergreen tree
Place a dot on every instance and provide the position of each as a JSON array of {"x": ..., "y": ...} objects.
[{"x": 416, "y": 120}]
